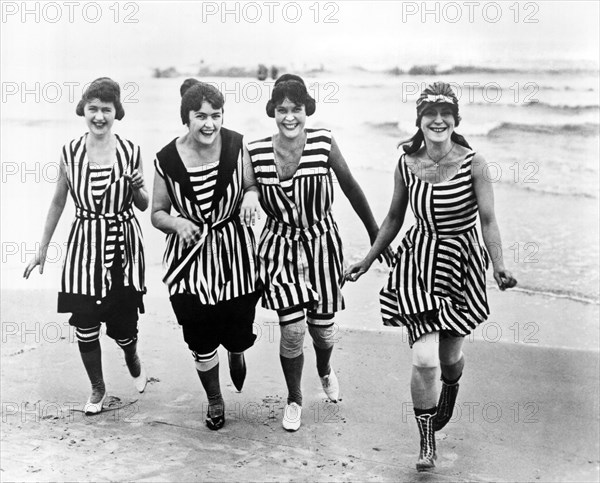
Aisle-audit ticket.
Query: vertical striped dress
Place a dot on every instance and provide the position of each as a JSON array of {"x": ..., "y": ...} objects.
[
  {"x": 104, "y": 222},
  {"x": 300, "y": 249},
  {"x": 438, "y": 280},
  {"x": 222, "y": 265}
]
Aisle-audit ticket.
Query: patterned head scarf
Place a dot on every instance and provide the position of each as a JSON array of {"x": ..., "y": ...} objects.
[{"x": 437, "y": 93}]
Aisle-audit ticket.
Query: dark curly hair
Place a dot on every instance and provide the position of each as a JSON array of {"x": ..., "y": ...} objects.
[
  {"x": 194, "y": 93},
  {"x": 292, "y": 87},
  {"x": 105, "y": 89},
  {"x": 436, "y": 93}
]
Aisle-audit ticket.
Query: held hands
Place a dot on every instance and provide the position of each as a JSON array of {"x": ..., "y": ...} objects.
[
  {"x": 135, "y": 180},
  {"x": 189, "y": 233},
  {"x": 250, "y": 208},
  {"x": 387, "y": 256},
  {"x": 354, "y": 272},
  {"x": 504, "y": 279},
  {"x": 39, "y": 259}
]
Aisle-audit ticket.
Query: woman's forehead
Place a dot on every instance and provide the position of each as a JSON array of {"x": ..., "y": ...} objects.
[
  {"x": 288, "y": 102},
  {"x": 207, "y": 108},
  {"x": 99, "y": 103},
  {"x": 438, "y": 107}
]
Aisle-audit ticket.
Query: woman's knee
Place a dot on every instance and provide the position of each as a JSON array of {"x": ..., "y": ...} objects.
[
  {"x": 450, "y": 349},
  {"x": 292, "y": 339},
  {"x": 322, "y": 330},
  {"x": 425, "y": 351}
]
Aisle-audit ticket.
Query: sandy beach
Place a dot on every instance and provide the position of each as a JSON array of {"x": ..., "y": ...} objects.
[{"x": 527, "y": 409}]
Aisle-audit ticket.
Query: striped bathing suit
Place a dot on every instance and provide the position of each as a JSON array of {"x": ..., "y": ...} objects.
[
  {"x": 438, "y": 280},
  {"x": 222, "y": 265},
  {"x": 204, "y": 179},
  {"x": 300, "y": 250},
  {"x": 104, "y": 222}
]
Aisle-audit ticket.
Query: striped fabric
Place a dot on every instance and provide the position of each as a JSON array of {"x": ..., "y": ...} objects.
[
  {"x": 300, "y": 250},
  {"x": 204, "y": 179},
  {"x": 99, "y": 179},
  {"x": 223, "y": 265},
  {"x": 102, "y": 219},
  {"x": 440, "y": 265}
]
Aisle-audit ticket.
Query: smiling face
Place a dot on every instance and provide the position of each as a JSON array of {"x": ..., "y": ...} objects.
[
  {"x": 99, "y": 116},
  {"x": 290, "y": 118},
  {"x": 205, "y": 123},
  {"x": 437, "y": 123}
]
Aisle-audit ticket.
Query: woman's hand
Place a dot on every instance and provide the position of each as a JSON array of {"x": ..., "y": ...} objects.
[
  {"x": 187, "y": 231},
  {"x": 387, "y": 257},
  {"x": 354, "y": 272},
  {"x": 504, "y": 279},
  {"x": 250, "y": 208},
  {"x": 136, "y": 180},
  {"x": 38, "y": 259}
]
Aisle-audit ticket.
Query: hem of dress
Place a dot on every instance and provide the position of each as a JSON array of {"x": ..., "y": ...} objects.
[
  {"x": 397, "y": 322},
  {"x": 79, "y": 303},
  {"x": 305, "y": 305}
]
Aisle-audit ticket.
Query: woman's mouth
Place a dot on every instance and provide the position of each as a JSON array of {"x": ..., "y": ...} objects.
[
  {"x": 290, "y": 127},
  {"x": 438, "y": 129}
]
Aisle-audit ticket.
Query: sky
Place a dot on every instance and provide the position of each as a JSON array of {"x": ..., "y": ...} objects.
[{"x": 64, "y": 40}]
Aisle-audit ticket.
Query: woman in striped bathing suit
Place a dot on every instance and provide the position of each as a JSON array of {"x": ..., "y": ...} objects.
[
  {"x": 437, "y": 286},
  {"x": 103, "y": 272},
  {"x": 300, "y": 250},
  {"x": 210, "y": 254}
]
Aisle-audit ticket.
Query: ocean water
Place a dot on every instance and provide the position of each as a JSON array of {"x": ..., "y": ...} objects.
[{"x": 539, "y": 130}]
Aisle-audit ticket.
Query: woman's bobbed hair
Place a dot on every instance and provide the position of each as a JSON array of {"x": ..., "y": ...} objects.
[
  {"x": 194, "y": 93},
  {"x": 106, "y": 90},
  {"x": 292, "y": 87}
]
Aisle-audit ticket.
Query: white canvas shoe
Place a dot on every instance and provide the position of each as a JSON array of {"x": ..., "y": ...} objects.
[
  {"x": 140, "y": 381},
  {"x": 331, "y": 386},
  {"x": 292, "y": 417},
  {"x": 94, "y": 408}
]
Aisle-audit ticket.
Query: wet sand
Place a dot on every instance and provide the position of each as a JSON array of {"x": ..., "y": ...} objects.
[{"x": 525, "y": 411}]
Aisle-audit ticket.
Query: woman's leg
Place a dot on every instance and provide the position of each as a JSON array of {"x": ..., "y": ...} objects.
[
  {"x": 322, "y": 331},
  {"x": 452, "y": 362},
  {"x": 133, "y": 362},
  {"x": 291, "y": 352},
  {"x": 237, "y": 334},
  {"x": 91, "y": 355},
  {"x": 122, "y": 326},
  {"x": 200, "y": 331},
  {"x": 424, "y": 371},
  {"x": 291, "y": 355},
  {"x": 424, "y": 395},
  {"x": 132, "y": 359},
  {"x": 237, "y": 369},
  {"x": 207, "y": 366}
]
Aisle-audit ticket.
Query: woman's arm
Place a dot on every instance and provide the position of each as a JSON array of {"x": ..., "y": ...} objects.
[
  {"x": 161, "y": 218},
  {"x": 54, "y": 213},
  {"x": 388, "y": 231},
  {"x": 355, "y": 195},
  {"x": 352, "y": 190},
  {"x": 250, "y": 207},
  {"x": 140, "y": 195},
  {"x": 489, "y": 226}
]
